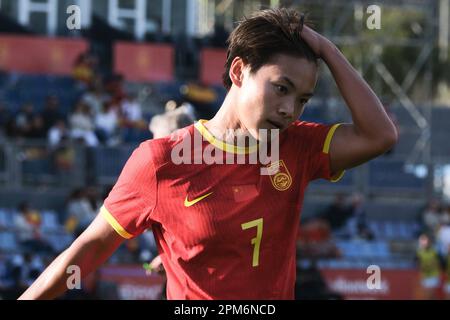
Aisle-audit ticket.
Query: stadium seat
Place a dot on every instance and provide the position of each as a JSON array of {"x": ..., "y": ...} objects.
[
  {"x": 59, "y": 241},
  {"x": 8, "y": 241},
  {"x": 6, "y": 218},
  {"x": 389, "y": 174},
  {"x": 108, "y": 162},
  {"x": 50, "y": 221}
]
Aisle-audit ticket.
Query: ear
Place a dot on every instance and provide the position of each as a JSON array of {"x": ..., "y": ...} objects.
[{"x": 236, "y": 72}]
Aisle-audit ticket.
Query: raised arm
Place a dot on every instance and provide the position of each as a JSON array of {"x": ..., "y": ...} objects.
[
  {"x": 92, "y": 248},
  {"x": 372, "y": 133}
]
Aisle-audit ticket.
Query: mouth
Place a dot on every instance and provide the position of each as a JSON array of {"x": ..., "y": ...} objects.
[{"x": 276, "y": 124}]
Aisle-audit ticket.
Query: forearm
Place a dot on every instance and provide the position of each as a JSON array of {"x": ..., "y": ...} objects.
[
  {"x": 368, "y": 114},
  {"x": 53, "y": 281}
]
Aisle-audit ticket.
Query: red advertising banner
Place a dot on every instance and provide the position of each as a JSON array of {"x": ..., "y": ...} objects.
[
  {"x": 132, "y": 283},
  {"x": 144, "y": 62},
  {"x": 394, "y": 285},
  {"x": 38, "y": 55},
  {"x": 212, "y": 66}
]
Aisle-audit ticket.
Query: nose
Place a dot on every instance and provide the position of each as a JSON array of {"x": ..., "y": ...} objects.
[{"x": 287, "y": 110}]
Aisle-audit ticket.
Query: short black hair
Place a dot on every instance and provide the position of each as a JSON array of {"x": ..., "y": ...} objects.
[{"x": 267, "y": 33}]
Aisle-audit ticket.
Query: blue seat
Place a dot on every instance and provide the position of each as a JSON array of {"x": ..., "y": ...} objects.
[
  {"x": 6, "y": 218},
  {"x": 59, "y": 241},
  {"x": 110, "y": 161},
  {"x": 8, "y": 241},
  {"x": 381, "y": 249},
  {"x": 50, "y": 221},
  {"x": 391, "y": 174},
  {"x": 36, "y": 167}
]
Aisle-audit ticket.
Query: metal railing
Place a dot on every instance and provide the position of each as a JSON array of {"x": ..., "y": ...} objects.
[
  {"x": 25, "y": 163},
  {"x": 32, "y": 163}
]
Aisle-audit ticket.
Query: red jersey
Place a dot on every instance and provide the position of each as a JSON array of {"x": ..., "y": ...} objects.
[{"x": 224, "y": 231}]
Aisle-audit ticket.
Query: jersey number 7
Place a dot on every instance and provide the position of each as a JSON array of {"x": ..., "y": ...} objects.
[{"x": 255, "y": 241}]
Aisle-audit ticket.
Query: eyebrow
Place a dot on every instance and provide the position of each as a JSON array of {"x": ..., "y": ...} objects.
[{"x": 289, "y": 81}]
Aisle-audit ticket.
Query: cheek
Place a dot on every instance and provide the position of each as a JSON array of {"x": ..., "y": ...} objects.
[{"x": 253, "y": 102}]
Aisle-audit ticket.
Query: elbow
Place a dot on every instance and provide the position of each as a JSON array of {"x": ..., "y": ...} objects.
[{"x": 388, "y": 140}]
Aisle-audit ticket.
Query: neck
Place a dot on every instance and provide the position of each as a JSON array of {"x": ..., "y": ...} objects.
[{"x": 226, "y": 120}]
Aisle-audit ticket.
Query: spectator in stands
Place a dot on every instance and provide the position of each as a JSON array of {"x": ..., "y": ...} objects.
[
  {"x": 79, "y": 212},
  {"x": 82, "y": 125},
  {"x": 107, "y": 124},
  {"x": 358, "y": 212},
  {"x": 131, "y": 112},
  {"x": 131, "y": 252},
  {"x": 114, "y": 88},
  {"x": 95, "y": 97},
  {"x": 164, "y": 124},
  {"x": 93, "y": 198},
  {"x": 61, "y": 150},
  {"x": 131, "y": 120},
  {"x": 51, "y": 113},
  {"x": 28, "y": 224},
  {"x": 337, "y": 213},
  {"x": 37, "y": 130},
  {"x": 431, "y": 217},
  {"x": 314, "y": 240},
  {"x": 23, "y": 270},
  {"x": 84, "y": 68},
  {"x": 443, "y": 240},
  {"x": 58, "y": 134},
  {"x": 24, "y": 121},
  {"x": 429, "y": 266},
  {"x": 447, "y": 277}
]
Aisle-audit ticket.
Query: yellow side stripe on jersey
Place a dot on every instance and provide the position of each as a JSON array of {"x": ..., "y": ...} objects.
[
  {"x": 113, "y": 222},
  {"x": 221, "y": 144},
  {"x": 326, "y": 150}
]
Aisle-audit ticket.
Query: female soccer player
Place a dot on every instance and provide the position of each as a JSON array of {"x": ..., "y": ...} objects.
[{"x": 226, "y": 231}]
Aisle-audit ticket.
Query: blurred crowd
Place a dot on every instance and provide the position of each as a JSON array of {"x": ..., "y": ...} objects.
[
  {"x": 105, "y": 114},
  {"x": 37, "y": 247},
  {"x": 83, "y": 204},
  {"x": 345, "y": 218},
  {"x": 433, "y": 250}
]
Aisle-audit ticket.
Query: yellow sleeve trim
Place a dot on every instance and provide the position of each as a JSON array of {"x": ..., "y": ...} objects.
[
  {"x": 326, "y": 145},
  {"x": 113, "y": 222},
  {"x": 338, "y": 176},
  {"x": 326, "y": 150}
]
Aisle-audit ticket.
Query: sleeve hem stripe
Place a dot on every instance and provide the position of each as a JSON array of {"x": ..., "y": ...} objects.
[
  {"x": 326, "y": 145},
  {"x": 326, "y": 150},
  {"x": 113, "y": 222},
  {"x": 338, "y": 176}
]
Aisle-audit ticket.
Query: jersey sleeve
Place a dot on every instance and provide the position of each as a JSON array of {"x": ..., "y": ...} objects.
[
  {"x": 130, "y": 204},
  {"x": 315, "y": 140}
]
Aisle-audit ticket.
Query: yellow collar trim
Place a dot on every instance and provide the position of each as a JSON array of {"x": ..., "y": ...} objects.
[{"x": 222, "y": 145}]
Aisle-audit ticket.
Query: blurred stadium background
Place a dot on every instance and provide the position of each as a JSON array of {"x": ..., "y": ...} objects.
[{"x": 74, "y": 104}]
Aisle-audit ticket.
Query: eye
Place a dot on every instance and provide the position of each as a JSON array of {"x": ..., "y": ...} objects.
[
  {"x": 281, "y": 89},
  {"x": 304, "y": 101}
]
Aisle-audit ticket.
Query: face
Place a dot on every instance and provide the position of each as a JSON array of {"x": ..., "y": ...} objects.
[
  {"x": 275, "y": 96},
  {"x": 424, "y": 242}
]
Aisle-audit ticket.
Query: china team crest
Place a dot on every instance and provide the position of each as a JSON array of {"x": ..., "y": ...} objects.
[{"x": 280, "y": 176}]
